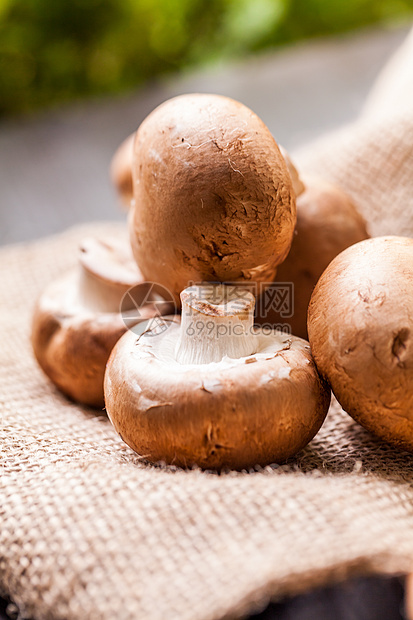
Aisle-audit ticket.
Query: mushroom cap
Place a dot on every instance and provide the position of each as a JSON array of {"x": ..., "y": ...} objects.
[
  {"x": 121, "y": 170},
  {"x": 213, "y": 196},
  {"x": 360, "y": 325},
  {"x": 327, "y": 223},
  {"x": 77, "y": 319},
  {"x": 234, "y": 413}
]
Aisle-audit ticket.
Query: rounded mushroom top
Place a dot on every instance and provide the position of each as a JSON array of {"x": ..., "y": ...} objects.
[
  {"x": 367, "y": 285},
  {"x": 360, "y": 326},
  {"x": 120, "y": 170},
  {"x": 213, "y": 197}
]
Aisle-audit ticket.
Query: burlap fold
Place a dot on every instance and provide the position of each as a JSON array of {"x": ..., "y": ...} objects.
[{"x": 88, "y": 531}]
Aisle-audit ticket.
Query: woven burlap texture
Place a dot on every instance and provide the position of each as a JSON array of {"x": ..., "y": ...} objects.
[{"x": 88, "y": 531}]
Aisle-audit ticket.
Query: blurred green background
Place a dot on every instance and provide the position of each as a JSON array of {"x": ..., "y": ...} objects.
[{"x": 53, "y": 51}]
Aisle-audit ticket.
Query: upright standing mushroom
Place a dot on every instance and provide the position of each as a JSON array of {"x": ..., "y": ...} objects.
[
  {"x": 213, "y": 197},
  {"x": 213, "y": 391}
]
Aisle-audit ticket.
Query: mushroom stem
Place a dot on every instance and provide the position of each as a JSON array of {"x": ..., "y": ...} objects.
[
  {"x": 96, "y": 294},
  {"x": 217, "y": 322},
  {"x": 106, "y": 272}
]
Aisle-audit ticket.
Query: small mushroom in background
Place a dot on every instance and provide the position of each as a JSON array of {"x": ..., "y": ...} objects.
[
  {"x": 298, "y": 185},
  {"x": 213, "y": 391},
  {"x": 213, "y": 196},
  {"x": 77, "y": 319},
  {"x": 327, "y": 223},
  {"x": 360, "y": 326},
  {"x": 121, "y": 171}
]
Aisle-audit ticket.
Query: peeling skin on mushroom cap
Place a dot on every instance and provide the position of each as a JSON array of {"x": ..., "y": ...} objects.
[
  {"x": 213, "y": 197},
  {"x": 237, "y": 412},
  {"x": 77, "y": 319},
  {"x": 360, "y": 326},
  {"x": 327, "y": 223}
]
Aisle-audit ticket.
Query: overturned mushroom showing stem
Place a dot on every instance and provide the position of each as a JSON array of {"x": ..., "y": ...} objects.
[
  {"x": 212, "y": 391},
  {"x": 327, "y": 223},
  {"x": 77, "y": 319},
  {"x": 213, "y": 197},
  {"x": 360, "y": 326},
  {"x": 121, "y": 171}
]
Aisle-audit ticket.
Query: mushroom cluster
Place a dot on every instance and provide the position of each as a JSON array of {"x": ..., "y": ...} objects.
[
  {"x": 217, "y": 214},
  {"x": 213, "y": 202}
]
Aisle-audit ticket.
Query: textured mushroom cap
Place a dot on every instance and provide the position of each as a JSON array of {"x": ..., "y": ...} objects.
[
  {"x": 110, "y": 262},
  {"x": 77, "y": 319},
  {"x": 327, "y": 223},
  {"x": 235, "y": 413},
  {"x": 360, "y": 326},
  {"x": 213, "y": 197},
  {"x": 121, "y": 170}
]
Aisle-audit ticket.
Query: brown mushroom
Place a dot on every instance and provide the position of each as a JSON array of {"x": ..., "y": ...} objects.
[
  {"x": 360, "y": 326},
  {"x": 121, "y": 171},
  {"x": 327, "y": 223},
  {"x": 77, "y": 319},
  {"x": 212, "y": 391},
  {"x": 213, "y": 197}
]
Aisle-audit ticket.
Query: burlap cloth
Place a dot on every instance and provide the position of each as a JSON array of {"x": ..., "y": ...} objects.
[{"x": 89, "y": 531}]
